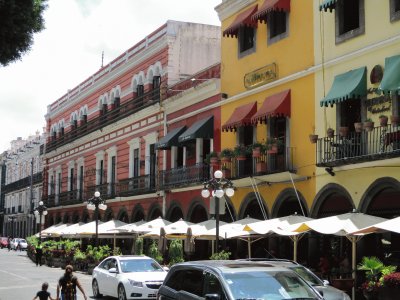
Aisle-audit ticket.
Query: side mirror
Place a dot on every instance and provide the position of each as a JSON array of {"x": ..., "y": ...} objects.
[
  {"x": 326, "y": 282},
  {"x": 165, "y": 268},
  {"x": 212, "y": 297},
  {"x": 113, "y": 270}
]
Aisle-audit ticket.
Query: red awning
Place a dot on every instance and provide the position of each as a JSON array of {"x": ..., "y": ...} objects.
[
  {"x": 242, "y": 19},
  {"x": 268, "y": 6},
  {"x": 241, "y": 116},
  {"x": 273, "y": 106}
]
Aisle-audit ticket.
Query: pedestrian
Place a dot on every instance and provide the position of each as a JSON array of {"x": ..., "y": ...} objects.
[
  {"x": 38, "y": 254},
  {"x": 9, "y": 243},
  {"x": 43, "y": 294},
  {"x": 67, "y": 285}
]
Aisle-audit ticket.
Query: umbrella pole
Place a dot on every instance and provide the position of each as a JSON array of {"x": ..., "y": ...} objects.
[
  {"x": 295, "y": 248},
  {"x": 353, "y": 266},
  {"x": 249, "y": 247},
  {"x": 115, "y": 242}
]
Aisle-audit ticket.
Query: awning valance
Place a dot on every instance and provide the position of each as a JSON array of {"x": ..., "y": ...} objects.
[
  {"x": 391, "y": 77},
  {"x": 170, "y": 139},
  {"x": 242, "y": 19},
  {"x": 201, "y": 129},
  {"x": 328, "y": 4},
  {"x": 268, "y": 6},
  {"x": 241, "y": 116},
  {"x": 352, "y": 84},
  {"x": 275, "y": 105}
]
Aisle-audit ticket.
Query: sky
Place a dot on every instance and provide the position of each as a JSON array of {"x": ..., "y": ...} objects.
[{"x": 70, "y": 49}]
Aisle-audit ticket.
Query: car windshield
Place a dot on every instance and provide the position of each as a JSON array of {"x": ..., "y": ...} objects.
[
  {"x": 261, "y": 285},
  {"x": 22, "y": 241},
  {"x": 139, "y": 265},
  {"x": 307, "y": 275}
]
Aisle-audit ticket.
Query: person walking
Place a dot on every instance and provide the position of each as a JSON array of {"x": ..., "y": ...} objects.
[
  {"x": 38, "y": 255},
  {"x": 43, "y": 294},
  {"x": 9, "y": 243},
  {"x": 67, "y": 285}
]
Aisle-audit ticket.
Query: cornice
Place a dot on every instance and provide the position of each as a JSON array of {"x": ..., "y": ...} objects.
[{"x": 230, "y": 7}]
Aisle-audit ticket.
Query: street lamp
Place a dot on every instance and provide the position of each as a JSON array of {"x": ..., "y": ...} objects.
[
  {"x": 95, "y": 203},
  {"x": 40, "y": 211},
  {"x": 12, "y": 218},
  {"x": 219, "y": 187}
]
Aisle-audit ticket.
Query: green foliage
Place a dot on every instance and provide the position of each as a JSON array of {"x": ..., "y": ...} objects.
[
  {"x": 210, "y": 155},
  {"x": 175, "y": 252},
  {"x": 222, "y": 255},
  {"x": 154, "y": 252},
  {"x": 139, "y": 246},
  {"x": 241, "y": 150},
  {"x": 372, "y": 267},
  {"x": 79, "y": 255},
  {"x": 19, "y": 20},
  {"x": 227, "y": 152},
  {"x": 117, "y": 251}
]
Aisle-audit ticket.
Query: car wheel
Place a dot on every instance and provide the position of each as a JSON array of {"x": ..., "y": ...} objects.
[
  {"x": 121, "y": 292},
  {"x": 95, "y": 288}
]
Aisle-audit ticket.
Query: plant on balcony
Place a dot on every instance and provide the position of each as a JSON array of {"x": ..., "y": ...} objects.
[
  {"x": 212, "y": 158},
  {"x": 368, "y": 125},
  {"x": 358, "y": 126},
  {"x": 241, "y": 152},
  {"x": 273, "y": 145},
  {"x": 330, "y": 132},
  {"x": 226, "y": 171},
  {"x": 226, "y": 155},
  {"x": 313, "y": 137},
  {"x": 257, "y": 148},
  {"x": 383, "y": 120}
]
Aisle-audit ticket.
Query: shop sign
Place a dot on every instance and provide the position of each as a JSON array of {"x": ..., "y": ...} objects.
[
  {"x": 260, "y": 76},
  {"x": 379, "y": 104}
]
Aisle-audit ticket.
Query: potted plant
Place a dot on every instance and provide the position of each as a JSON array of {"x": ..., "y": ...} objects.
[
  {"x": 241, "y": 152},
  {"x": 358, "y": 126},
  {"x": 394, "y": 120},
  {"x": 226, "y": 155},
  {"x": 330, "y": 132},
  {"x": 368, "y": 124},
  {"x": 313, "y": 137},
  {"x": 383, "y": 120},
  {"x": 212, "y": 158},
  {"x": 273, "y": 145},
  {"x": 226, "y": 171},
  {"x": 261, "y": 166},
  {"x": 257, "y": 148},
  {"x": 390, "y": 286}
]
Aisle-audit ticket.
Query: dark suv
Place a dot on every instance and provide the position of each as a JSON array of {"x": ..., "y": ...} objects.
[
  {"x": 329, "y": 292},
  {"x": 232, "y": 280}
]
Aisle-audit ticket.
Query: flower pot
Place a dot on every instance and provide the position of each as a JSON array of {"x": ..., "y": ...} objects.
[
  {"x": 344, "y": 131},
  {"x": 257, "y": 152},
  {"x": 358, "y": 126},
  {"x": 383, "y": 120},
  {"x": 273, "y": 149},
  {"x": 368, "y": 126},
  {"x": 261, "y": 167},
  {"x": 330, "y": 132},
  {"x": 241, "y": 157},
  {"x": 225, "y": 159},
  {"x": 313, "y": 138},
  {"x": 394, "y": 120}
]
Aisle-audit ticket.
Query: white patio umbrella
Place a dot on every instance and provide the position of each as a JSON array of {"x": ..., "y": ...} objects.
[
  {"x": 151, "y": 225},
  {"x": 107, "y": 229},
  {"x": 70, "y": 231},
  {"x": 343, "y": 225},
  {"x": 49, "y": 231},
  {"x": 87, "y": 229},
  {"x": 392, "y": 225},
  {"x": 128, "y": 227}
]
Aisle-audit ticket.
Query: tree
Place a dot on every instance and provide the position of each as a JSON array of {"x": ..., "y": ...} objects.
[{"x": 19, "y": 20}]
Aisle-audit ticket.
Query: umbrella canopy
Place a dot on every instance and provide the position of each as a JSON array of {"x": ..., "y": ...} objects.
[
  {"x": 149, "y": 226},
  {"x": 202, "y": 227},
  {"x": 176, "y": 230},
  {"x": 392, "y": 225},
  {"x": 70, "y": 230},
  {"x": 110, "y": 226},
  {"x": 129, "y": 227},
  {"x": 87, "y": 229},
  {"x": 51, "y": 231}
]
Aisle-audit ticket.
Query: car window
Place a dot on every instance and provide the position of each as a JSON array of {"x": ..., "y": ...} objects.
[
  {"x": 190, "y": 281},
  {"x": 212, "y": 286},
  {"x": 22, "y": 241},
  {"x": 105, "y": 264},
  {"x": 139, "y": 265},
  {"x": 175, "y": 280}
]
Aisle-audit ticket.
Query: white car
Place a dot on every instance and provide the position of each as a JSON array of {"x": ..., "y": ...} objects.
[
  {"x": 128, "y": 277},
  {"x": 23, "y": 245}
]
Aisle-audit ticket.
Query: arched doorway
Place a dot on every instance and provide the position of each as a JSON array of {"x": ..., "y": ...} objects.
[
  {"x": 174, "y": 212},
  {"x": 137, "y": 214}
]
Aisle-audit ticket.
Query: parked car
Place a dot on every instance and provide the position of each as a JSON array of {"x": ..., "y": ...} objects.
[
  {"x": 3, "y": 242},
  {"x": 127, "y": 277},
  {"x": 329, "y": 292},
  {"x": 22, "y": 243},
  {"x": 232, "y": 280}
]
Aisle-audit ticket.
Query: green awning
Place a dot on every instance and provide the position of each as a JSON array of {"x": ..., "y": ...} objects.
[
  {"x": 170, "y": 139},
  {"x": 391, "y": 77},
  {"x": 201, "y": 129},
  {"x": 328, "y": 4},
  {"x": 349, "y": 85}
]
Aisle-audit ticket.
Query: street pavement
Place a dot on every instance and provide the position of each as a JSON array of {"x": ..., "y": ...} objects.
[{"x": 20, "y": 279}]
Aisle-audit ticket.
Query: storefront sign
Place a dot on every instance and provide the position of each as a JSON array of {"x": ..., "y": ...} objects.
[
  {"x": 379, "y": 104},
  {"x": 260, "y": 77}
]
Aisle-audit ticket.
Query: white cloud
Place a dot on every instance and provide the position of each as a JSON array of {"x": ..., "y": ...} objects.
[{"x": 69, "y": 50}]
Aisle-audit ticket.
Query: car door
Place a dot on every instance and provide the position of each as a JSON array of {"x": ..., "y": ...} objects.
[
  {"x": 101, "y": 276},
  {"x": 112, "y": 278},
  {"x": 213, "y": 286}
]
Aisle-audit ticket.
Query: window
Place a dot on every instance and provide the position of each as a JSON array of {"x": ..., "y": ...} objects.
[
  {"x": 71, "y": 179},
  {"x": 117, "y": 102},
  {"x": 80, "y": 181},
  {"x": 350, "y": 19},
  {"x": 394, "y": 10},
  {"x": 349, "y": 112},
  {"x": 246, "y": 40},
  {"x": 140, "y": 90},
  {"x": 135, "y": 162},
  {"x": 101, "y": 172},
  {"x": 156, "y": 82},
  {"x": 277, "y": 24}
]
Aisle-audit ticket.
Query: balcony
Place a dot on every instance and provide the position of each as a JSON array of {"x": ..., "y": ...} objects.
[
  {"x": 183, "y": 176},
  {"x": 135, "y": 186},
  {"x": 118, "y": 113},
  {"x": 23, "y": 183},
  {"x": 380, "y": 143}
]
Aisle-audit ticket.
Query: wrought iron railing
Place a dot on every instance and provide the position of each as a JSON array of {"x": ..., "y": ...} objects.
[
  {"x": 23, "y": 183},
  {"x": 183, "y": 176},
  {"x": 380, "y": 143},
  {"x": 135, "y": 186},
  {"x": 111, "y": 116}
]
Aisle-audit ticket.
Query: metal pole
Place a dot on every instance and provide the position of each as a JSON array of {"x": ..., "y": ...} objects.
[
  {"x": 216, "y": 200},
  {"x": 97, "y": 222},
  {"x": 31, "y": 196},
  {"x": 40, "y": 227}
]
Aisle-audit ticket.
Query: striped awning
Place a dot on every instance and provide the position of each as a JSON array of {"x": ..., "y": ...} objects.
[
  {"x": 242, "y": 19},
  {"x": 328, "y": 4},
  {"x": 268, "y": 6}
]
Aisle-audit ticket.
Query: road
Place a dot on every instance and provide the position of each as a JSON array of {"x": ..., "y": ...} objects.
[{"x": 20, "y": 279}]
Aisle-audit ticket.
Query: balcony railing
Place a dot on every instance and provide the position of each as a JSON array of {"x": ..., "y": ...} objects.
[
  {"x": 381, "y": 143},
  {"x": 135, "y": 186},
  {"x": 111, "y": 116},
  {"x": 183, "y": 176},
  {"x": 23, "y": 183}
]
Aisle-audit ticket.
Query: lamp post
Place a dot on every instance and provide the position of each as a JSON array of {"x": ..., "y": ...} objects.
[
  {"x": 95, "y": 203},
  {"x": 12, "y": 218},
  {"x": 219, "y": 187},
  {"x": 40, "y": 211}
]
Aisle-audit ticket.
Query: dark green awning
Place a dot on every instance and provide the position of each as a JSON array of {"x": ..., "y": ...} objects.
[
  {"x": 349, "y": 85},
  {"x": 391, "y": 77},
  {"x": 328, "y": 4},
  {"x": 170, "y": 139},
  {"x": 201, "y": 129}
]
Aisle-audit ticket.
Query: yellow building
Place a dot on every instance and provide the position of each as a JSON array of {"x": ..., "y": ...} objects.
[{"x": 267, "y": 75}]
